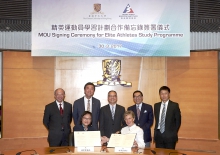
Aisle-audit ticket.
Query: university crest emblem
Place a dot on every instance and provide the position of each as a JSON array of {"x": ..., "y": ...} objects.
[{"x": 111, "y": 74}]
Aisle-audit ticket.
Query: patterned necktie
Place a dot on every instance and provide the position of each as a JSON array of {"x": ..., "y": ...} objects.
[
  {"x": 61, "y": 110},
  {"x": 88, "y": 105},
  {"x": 162, "y": 121},
  {"x": 113, "y": 112},
  {"x": 138, "y": 112}
]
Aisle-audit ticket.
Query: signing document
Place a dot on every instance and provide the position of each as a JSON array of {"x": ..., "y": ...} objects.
[
  {"x": 88, "y": 138},
  {"x": 121, "y": 140}
]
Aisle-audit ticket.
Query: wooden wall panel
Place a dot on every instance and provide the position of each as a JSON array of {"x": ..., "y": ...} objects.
[
  {"x": 23, "y": 143},
  {"x": 153, "y": 76},
  {"x": 28, "y": 85},
  {"x": 73, "y": 73},
  {"x": 193, "y": 82},
  {"x": 29, "y": 82}
]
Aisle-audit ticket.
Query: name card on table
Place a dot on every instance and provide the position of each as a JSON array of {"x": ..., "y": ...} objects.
[
  {"x": 85, "y": 149},
  {"x": 122, "y": 149}
]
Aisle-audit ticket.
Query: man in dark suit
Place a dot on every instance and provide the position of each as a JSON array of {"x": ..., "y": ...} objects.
[
  {"x": 57, "y": 119},
  {"x": 143, "y": 116},
  {"x": 168, "y": 120},
  {"x": 87, "y": 103},
  {"x": 111, "y": 116}
]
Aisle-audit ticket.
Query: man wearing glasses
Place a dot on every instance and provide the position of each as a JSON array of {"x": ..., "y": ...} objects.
[{"x": 143, "y": 116}]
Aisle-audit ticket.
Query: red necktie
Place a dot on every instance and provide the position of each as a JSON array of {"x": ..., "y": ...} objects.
[{"x": 61, "y": 110}]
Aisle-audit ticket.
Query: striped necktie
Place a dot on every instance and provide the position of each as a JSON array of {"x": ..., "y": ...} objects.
[
  {"x": 138, "y": 112},
  {"x": 162, "y": 120},
  {"x": 113, "y": 112}
]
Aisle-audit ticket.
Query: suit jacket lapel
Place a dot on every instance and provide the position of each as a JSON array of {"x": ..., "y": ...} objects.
[
  {"x": 168, "y": 111},
  {"x": 83, "y": 105},
  {"x": 116, "y": 111},
  {"x": 142, "y": 110},
  {"x": 135, "y": 111},
  {"x": 93, "y": 107},
  {"x": 158, "y": 113},
  {"x": 56, "y": 107},
  {"x": 65, "y": 106}
]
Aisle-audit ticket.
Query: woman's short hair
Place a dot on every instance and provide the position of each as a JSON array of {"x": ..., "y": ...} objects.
[
  {"x": 129, "y": 112},
  {"x": 85, "y": 113}
]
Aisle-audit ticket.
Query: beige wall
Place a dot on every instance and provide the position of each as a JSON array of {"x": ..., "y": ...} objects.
[{"x": 29, "y": 82}]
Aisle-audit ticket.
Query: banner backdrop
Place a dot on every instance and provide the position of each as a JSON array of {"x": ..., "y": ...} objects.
[{"x": 110, "y": 28}]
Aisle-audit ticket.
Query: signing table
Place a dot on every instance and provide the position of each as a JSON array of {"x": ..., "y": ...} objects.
[{"x": 100, "y": 150}]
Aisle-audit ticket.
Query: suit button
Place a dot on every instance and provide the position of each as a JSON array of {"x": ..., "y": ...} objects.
[{"x": 138, "y": 124}]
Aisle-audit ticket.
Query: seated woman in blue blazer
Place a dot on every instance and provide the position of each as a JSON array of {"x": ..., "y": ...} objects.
[{"x": 85, "y": 122}]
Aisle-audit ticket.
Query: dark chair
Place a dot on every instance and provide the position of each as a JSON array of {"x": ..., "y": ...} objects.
[{"x": 71, "y": 139}]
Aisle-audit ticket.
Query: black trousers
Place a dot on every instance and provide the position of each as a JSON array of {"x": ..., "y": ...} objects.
[
  {"x": 64, "y": 141},
  {"x": 161, "y": 142}
]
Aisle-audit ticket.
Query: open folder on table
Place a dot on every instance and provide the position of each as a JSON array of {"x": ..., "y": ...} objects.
[
  {"x": 121, "y": 140},
  {"x": 87, "y": 138}
]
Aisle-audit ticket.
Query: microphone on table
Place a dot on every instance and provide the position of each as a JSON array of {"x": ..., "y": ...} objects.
[
  {"x": 52, "y": 150},
  {"x": 177, "y": 153},
  {"x": 154, "y": 152},
  {"x": 35, "y": 152}
]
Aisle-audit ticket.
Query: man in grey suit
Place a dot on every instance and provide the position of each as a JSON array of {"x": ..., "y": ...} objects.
[
  {"x": 57, "y": 119},
  {"x": 111, "y": 116},
  {"x": 87, "y": 103},
  {"x": 168, "y": 120}
]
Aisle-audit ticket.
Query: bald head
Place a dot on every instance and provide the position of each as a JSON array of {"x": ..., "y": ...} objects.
[{"x": 59, "y": 94}]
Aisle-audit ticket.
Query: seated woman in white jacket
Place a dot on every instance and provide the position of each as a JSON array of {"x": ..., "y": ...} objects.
[{"x": 132, "y": 128}]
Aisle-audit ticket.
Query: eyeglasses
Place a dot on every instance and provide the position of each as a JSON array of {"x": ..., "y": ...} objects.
[
  {"x": 86, "y": 118},
  {"x": 112, "y": 96},
  {"x": 138, "y": 96}
]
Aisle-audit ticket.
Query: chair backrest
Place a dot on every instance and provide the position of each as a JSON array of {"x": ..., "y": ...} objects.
[{"x": 71, "y": 139}]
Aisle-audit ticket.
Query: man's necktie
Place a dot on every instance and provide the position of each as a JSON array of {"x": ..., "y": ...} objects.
[
  {"x": 138, "y": 112},
  {"x": 61, "y": 110},
  {"x": 113, "y": 112},
  {"x": 162, "y": 121},
  {"x": 88, "y": 105}
]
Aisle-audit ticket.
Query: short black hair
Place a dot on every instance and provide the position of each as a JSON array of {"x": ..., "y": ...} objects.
[
  {"x": 85, "y": 113},
  {"x": 112, "y": 91},
  {"x": 137, "y": 91},
  {"x": 164, "y": 88},
  {"x": 89, "y": 83}
]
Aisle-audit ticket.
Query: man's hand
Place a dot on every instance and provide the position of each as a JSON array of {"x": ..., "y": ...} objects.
[
  {"x": 135, "y": 144},
  {"x": 104, "y": 139},
  {"x": 118, "y": 132}
]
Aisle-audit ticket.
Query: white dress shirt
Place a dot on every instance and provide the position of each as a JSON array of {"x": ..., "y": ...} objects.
[
  {"x": 86, "y": 103},
  {"x": 111, "y": 106},
  {"x": 139, "y": 106},
  {"x": 58, "y": 104},
  {"x": 161, "y": 109},
  {"x": 139, "y": 134}
]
